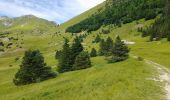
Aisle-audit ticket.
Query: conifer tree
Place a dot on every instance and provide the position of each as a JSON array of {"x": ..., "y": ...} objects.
[
  {"x": 75, "y": 49},
  {"x": 120, "y": 51},
  {"x": 97, "y": 39},
  {"x": 93, "y": 52},
  {"x": 109, "y": 46},
  {"x": 82, "y": 61},
  {"x": 65, "y": 58},
  {"x": 33, "y": 69},
  {"x": 102, "y": 50}
]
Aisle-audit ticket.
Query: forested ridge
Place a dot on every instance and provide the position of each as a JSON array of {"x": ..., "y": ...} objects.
[
  {"x": 161, "y": 27},
  {"x": 119, "y": 12}
]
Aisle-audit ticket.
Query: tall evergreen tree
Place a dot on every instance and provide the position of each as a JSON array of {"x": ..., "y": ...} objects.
[
  {"x": 102, "y": 50},
  {"x": 93, "y": 52},
  {"x": 76, "y": 49},
  {"x": 65, "y": 63},
  {"x": 120, "y": 51},
  {"x": 106, "y": 47},
  {"x": 109, "y": 46},
  {"x": 82, "y": 61},
  {"x": 33, "y": 69}
]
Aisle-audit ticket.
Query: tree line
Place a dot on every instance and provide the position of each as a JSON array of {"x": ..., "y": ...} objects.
[
  {"x": 73, "y": 57},
  {"x": 33, "y": 69},
  {"x": 119, "y": 12},
  {"x": 160, "y": 28},
  {"x": 117, "y": 50}
]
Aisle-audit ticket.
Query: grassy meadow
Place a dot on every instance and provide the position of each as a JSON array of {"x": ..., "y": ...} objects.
[{"x": 128, "y": 80}]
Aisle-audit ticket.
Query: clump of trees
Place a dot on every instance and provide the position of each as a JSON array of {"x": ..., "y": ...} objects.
[
  {"x": 33, "y": 69},
  {"x": 120, "y": 11},
  {"x": 161, "y": 27},
  {"x": 72, "y": 56},
  {"x": 120, "y": 51},
  {"x": 106, "y": 47}
]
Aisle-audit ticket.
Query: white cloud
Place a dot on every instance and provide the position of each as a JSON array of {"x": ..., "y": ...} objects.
[{"x": 54, "y": 10}]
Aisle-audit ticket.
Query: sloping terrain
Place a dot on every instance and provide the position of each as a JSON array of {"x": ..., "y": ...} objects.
[{"x": 128, "y": 80}]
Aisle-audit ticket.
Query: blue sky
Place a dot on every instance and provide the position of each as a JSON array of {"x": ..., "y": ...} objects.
[{"x": 53, "y": 10}]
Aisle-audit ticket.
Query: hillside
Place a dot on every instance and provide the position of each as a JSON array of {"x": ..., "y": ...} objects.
[
  {"x": 132, "y": 79},
  {"x": 82, "y": 16},
  {"x": 27, "y": 23}
]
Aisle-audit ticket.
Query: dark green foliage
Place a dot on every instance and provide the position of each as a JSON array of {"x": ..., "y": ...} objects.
[
  {"x": 33, "y": 69},
  {"x": 160, "y": 29},
  {"x": 76, "y": 49},
  {"x": 58, "y": 54},
  {"x": 68, "y": 55},
  {"x": 120, "y": 11},
  {"x": 105, "y": 31},
  {"x": 109, "y": 44},
  {"x": 120, "y": 51},
  {"x": 65, "y": 64},
  {"x": 93, "y": 52},
  {"x": 1, "y": 44},
  {"x": 102, "y": 50},
  {"x": 150, "y": 14},
  {"x": 106, "y": 47},
  {"x": 169, "y": 36},
  {"x": 97, "y": 39},
  {"x": 82, "y": 61}
]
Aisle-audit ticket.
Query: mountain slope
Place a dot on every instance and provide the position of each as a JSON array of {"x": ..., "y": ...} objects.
[
  {"x": 82, "y": 16},
  {"x": 27, "y": 23},
  {"x": 128, "y": 80}
]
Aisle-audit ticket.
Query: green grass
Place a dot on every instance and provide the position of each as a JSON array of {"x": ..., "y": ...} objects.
[
  {"x": 121, "y": 81},
  {"x": 127, "y": 80}
]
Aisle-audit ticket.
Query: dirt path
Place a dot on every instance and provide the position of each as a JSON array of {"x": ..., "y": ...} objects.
[{"x": 164, "y": 75}]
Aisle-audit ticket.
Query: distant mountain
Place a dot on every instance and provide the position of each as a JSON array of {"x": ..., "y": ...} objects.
[{"x": 27, "y": 23}]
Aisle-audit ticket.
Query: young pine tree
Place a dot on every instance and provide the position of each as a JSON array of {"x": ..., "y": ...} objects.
[
  {"x": 102, "y": 50},
  {"x": 75, "y": 49},
  {"x": 109, "y": 46},
  {"x": 82, "y": 61},
  {"x": 93, "y": 52},
  {"x": 33, "y": 69},
  {"x": 120, "y": 51},
  {"x": 65, "y": 63},
  {"x": 97, "y": 39}
]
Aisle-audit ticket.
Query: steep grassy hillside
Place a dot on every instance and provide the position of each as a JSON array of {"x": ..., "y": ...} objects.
[
  {"x": 128, "y": 80},
  {"x": 82, "y": 16}
]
